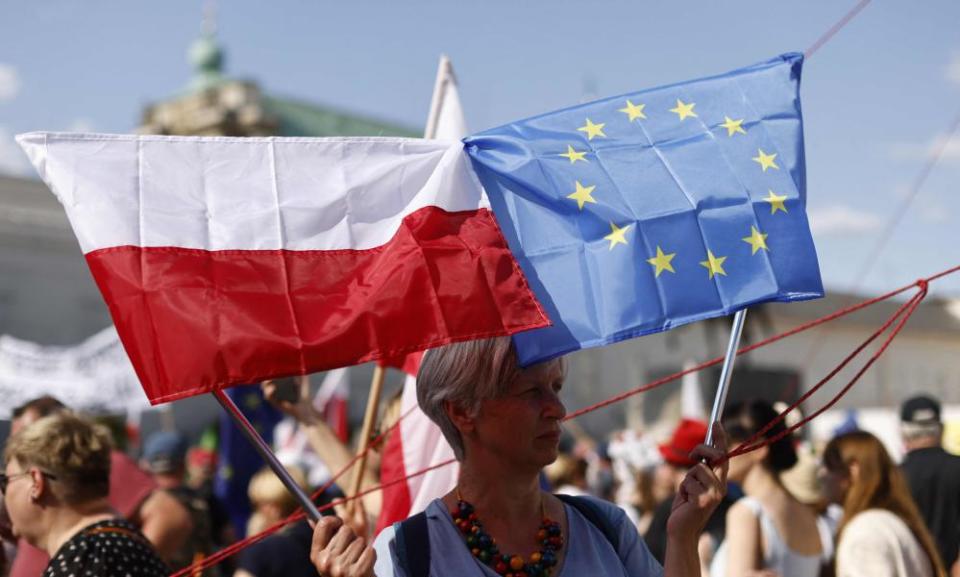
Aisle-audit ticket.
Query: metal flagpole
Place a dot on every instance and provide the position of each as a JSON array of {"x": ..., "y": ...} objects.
[
  {"x": 725, "y": 373},
  {"x": 261, "y": 446}
]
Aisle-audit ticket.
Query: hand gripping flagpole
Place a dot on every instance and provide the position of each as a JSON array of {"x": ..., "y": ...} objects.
[
  {"x": 720, "y": 400},
  {"x": 261, "y": 446}
]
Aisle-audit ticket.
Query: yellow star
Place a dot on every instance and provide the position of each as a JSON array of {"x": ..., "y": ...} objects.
[
  {"x": 756, "y": 240},
  {"x": 776, "y": 202},
  {"x": 714, "y": 264},
  {"x": 616, "y": 235},
  {"x": 766, "y": 160},
  {"x": 733, "y": 126},
  {"x": 684, "y": 110},
  {"x": 662, "y": 262},
  {"x": 573, "y": 155},
  {"x": 593, "y": 129},
  {"x": 582, "y": 195},
  {"x": 633, "y": 111}
]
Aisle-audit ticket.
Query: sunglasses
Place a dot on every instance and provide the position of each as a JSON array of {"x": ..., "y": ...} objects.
[{"x": 5, "y": 479}]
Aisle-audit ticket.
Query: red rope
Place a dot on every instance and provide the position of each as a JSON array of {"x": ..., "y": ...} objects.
[
  {"x": 902, "y": 313},
  {"x": 835, "y": 28},
  {"x": 908, "y": 307},
  {"x": 222, "y": 554},
  {"x": 717, "y": 360}
]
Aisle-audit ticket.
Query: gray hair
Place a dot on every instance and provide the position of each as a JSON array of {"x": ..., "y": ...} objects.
[
  {"x": 465, "y": 374},
  {"x": 914, "y": 431}
]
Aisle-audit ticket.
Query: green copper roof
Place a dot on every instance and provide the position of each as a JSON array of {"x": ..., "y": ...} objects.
[{"x": 298, "y": 118}]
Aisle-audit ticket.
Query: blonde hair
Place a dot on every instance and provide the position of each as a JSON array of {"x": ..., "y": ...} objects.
[
  {"x": 72, "y": 450},
  {"x": 879, "y": 485},
  {"x": 266, "y": 488},
  {"x": 466, "y": 374}
]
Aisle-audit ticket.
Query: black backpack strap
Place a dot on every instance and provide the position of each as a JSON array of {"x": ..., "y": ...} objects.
[
  {"x": 595, "y": 515},
  {"x": 413, "y": 546}
]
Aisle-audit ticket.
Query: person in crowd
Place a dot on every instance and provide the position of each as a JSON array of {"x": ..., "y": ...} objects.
[
  {"x": 503, "y": 423},
  {"x": 667, "y": 476},
  {"x": 287, "y": 552},
  {"x": 882, "y": 533},
  {"x": 157, "y": 514},
  {"x": 768, "y": 529},
  {"x": 568, "y": 475},
  {"x": 333, "y": 452},
  {"x": 55, "y": 486},
  {"x": 164, "y": 456},
  {"x": 933, "y": 475}
]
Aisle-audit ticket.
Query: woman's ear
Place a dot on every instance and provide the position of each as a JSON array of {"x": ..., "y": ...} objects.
[
  {"x": 459, "y": 416},
  {"x": 39, "y": 485}
]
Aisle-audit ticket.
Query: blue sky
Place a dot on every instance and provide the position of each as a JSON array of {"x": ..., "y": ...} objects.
[{"x": 877, "y": 98}]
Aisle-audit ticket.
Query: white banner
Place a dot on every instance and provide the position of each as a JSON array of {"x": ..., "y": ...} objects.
[{"x": 93, "y": 376}]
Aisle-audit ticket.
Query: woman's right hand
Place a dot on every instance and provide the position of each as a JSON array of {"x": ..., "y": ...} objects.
[{"x": 336, "y": 551}]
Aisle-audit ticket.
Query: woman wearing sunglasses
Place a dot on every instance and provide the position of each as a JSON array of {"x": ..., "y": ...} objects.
[{"x": 55, "y": 484}]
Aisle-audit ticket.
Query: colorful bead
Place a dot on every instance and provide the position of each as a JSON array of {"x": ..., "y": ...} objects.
[{"x": 484, "y": 547}]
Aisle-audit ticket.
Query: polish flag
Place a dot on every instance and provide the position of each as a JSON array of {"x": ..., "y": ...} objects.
[
  {"x": 331, "y": 401},
  {"x": 418, "y": 443},
  {"x": 413, "y": 446},
  {"x": 234, "y": 260}
]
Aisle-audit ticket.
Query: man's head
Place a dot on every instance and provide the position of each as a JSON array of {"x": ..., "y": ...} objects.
[
  {"x": 164, "y": 453},
  {"x": 676, "y": 456},
  {"x": 34, "y": 410},
  {"x": 920, "y": 423}
]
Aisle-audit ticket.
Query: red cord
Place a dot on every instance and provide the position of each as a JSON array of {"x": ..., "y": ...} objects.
[{"x": 835, "y": 28}]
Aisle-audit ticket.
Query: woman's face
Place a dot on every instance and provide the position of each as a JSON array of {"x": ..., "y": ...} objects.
[
  {"x": 21, "y": 508},
  {"x": 523, "y": 425},
  {"x": 835, "y": 483}
]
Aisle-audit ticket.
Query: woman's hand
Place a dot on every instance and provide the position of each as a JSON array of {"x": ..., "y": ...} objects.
[
  {"x": 702, "y": 489},
  {"x": 302, "y": 410},
  {"x": 336, "y": 551}
]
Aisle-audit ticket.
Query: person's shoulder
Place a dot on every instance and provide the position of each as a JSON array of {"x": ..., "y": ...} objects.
[
  {"x": 609, "y": 510},
  {"x": 115, "y": 547},
  {"x": 872, "y": 522}
]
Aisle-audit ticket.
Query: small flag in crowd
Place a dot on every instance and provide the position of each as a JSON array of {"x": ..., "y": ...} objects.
[
  {"x": 332, "y": 399},
  {"x": 237, "y": 463}
]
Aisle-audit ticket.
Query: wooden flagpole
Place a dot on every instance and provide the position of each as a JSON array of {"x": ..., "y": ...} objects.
[{"x": 369, "y": 418}]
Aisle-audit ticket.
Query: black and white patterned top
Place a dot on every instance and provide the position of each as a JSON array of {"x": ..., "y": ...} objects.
[{"x": 111, "y": 548}]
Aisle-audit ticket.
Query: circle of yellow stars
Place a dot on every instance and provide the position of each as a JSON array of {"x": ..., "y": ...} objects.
[{"x": 663, "y": 261}]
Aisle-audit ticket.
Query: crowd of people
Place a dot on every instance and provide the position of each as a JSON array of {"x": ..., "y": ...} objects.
[{"x": 531, "y": 499}]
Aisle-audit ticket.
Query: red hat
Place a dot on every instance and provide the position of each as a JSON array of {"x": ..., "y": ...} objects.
[{"x": 688, "y": 434}]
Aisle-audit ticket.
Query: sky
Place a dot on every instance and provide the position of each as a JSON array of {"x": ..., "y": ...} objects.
[{"x": 877, "y": 99}]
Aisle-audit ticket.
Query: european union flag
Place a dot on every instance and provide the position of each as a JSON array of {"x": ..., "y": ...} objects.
[
  {"x": 646, "y": 211},
  {"x": 238, "y": 461}
]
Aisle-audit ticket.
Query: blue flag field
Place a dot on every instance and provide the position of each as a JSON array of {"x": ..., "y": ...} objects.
[{"x": 639, "y": 213}]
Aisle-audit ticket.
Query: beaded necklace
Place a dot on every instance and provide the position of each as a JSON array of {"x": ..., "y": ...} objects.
[{"x": 484, "y": 547}]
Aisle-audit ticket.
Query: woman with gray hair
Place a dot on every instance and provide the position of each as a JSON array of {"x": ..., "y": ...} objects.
[{"x": 503, "y": 422}]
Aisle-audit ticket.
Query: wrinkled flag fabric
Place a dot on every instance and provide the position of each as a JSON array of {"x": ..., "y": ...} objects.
[{"x": 639, "y": 213}]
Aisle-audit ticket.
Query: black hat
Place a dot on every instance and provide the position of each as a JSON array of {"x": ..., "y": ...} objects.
[{"x": 920, "y": 410}]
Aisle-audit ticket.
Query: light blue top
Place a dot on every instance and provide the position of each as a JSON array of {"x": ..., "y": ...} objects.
[{"x": 588, "y": 551}]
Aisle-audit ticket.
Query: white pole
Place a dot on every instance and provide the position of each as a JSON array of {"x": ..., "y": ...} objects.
[
  {"x": 720, "y": 400},
  {"x": 444, "y": 75}
]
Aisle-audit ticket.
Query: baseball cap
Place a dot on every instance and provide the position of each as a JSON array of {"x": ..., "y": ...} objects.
[
  {"x": 164, "y": 451},
  {"x": 920, "y": 410},
  {"x": 688, "y": 434}
]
